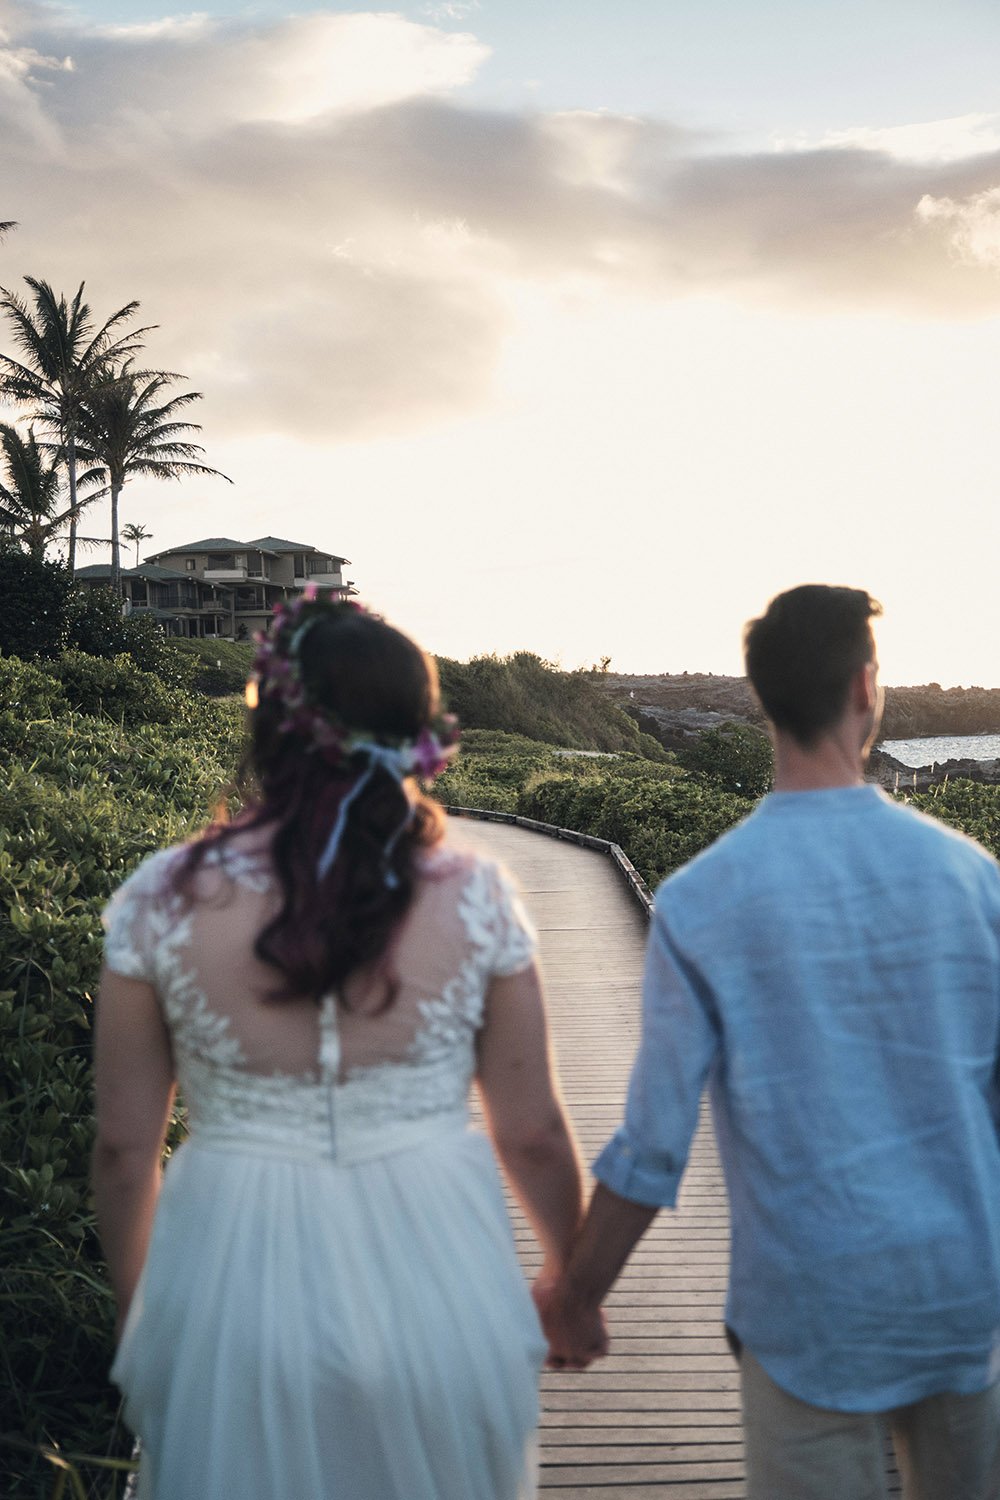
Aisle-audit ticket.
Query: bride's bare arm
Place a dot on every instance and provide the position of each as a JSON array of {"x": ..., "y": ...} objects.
[
  {"x": 525, "y": 1114},
  {"x": 134, "y": 1080}
]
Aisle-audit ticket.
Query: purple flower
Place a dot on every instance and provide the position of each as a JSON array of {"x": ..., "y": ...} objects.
[{"x": 427, "y": 754}]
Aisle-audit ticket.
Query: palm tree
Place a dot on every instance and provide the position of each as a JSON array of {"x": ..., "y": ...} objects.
[
  {"x": 135, "y": 533},
  {"x": 126, "y": 427},
  {"x": 65, "y": 358},
  {"x": 6, "y": 227},
  {"x": 30, "y": 500}
]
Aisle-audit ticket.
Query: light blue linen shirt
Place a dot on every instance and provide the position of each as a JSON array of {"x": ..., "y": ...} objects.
[{"x": 831, "y": 967}]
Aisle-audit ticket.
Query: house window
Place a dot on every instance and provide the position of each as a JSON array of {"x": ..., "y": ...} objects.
[{"x": 190, "y": 564}]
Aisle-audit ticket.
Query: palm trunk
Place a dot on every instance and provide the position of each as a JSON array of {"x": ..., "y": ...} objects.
[
  {"x": 116, "y": 560},
  {"x": 71, "y": 469}
]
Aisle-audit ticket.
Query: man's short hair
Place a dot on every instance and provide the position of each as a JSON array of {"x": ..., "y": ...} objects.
[{"x": 804, "y": 651}]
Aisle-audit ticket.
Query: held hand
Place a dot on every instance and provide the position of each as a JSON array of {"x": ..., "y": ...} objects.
[{"x": 577, "y": 1334}]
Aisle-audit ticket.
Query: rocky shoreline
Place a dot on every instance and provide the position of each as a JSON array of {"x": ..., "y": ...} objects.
[
  {"x": 676, "y": 708},
  {"x": 897, "y": 777}
]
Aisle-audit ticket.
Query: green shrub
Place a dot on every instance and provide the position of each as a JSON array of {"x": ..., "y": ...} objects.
[
  {"x": 114, "y": 686},
  {"x": 82, "y": 799},
  {"x": 97, "y": 626},
  {"x": 659, "y": 822},
  {"x": 524, "y": 695},
  {"x": 28, "y": 691},
  {"x": 219, "y": 667},
  {"x": 967, "y": 805},
  {"x": 34, "y": 599},
  {"x": 736, "y": 757}
]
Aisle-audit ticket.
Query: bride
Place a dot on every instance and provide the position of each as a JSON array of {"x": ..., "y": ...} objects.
[{"x": 322, "y": 1299}]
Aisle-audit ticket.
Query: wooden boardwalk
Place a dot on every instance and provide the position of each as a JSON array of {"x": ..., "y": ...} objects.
[{"x": 660, "y": 1415}]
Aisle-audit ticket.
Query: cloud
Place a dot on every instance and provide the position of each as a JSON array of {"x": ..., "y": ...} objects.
[
  {"x": 449, "y": 10},
  {"x": 929, "y": 141},
  {"x": 973, "y": 226},
  {"x": 332, "y": 239}
]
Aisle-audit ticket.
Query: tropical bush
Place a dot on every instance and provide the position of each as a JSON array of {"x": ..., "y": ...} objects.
[
  {"x": 28, "y": 691},
  {"x": 33, "y": 603},
  {"x": 96, "y": 625},
  {"x": 660, "y": 822},
  {"x": 220, "y": 667},
  {"x": 735, "y": 757},
  {"x": 524, "y": 695},
  {"x": 968, "y": 806},
  {"x": 82, "y": 799},
  {"x": 115, "y": 687},
  {"x": 660, "y": 815}
]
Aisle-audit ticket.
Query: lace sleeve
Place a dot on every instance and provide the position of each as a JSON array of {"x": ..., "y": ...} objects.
[
  {"x": 516, "y": 939},
  {"x": 126, "y": 919}
]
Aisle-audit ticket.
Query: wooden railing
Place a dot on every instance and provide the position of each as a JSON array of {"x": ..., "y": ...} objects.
[{"x": 640, "y": 890}]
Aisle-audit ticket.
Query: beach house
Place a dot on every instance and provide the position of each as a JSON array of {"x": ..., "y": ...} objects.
[{"x": 222, "y": 587}]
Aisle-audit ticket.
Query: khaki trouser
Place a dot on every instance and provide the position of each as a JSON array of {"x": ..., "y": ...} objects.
[{"x": 947, "y": 1446}]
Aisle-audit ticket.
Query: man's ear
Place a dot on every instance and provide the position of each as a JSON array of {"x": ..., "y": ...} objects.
[{"x": 864, "y": 688}]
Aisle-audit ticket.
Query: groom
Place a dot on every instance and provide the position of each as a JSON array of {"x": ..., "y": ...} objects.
[{"x": 831, "y": 969}]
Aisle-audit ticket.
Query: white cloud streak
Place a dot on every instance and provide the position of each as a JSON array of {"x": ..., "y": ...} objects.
[
  {"x": 930, "y": 141},
  {"x": 329, "y": 237}
]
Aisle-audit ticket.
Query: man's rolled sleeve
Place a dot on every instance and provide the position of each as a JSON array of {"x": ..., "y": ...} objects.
[{"x": 645, "y": 1159}]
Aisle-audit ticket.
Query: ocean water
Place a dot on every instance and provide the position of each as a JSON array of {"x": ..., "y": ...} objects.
[{"x": 942, "y": 747}]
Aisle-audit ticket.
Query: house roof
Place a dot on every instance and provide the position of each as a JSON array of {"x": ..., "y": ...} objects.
[
  {"x": 210, "y": 544},
  {"x": 145, "y": 570},
  {"x": 274, "y": 546},
  {"x": 281, "y": 544}
]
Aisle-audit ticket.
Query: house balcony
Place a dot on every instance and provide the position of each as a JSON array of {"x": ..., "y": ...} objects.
[
  {"x": 323, "y": 580},
  {"x": 225, "y": 575}
]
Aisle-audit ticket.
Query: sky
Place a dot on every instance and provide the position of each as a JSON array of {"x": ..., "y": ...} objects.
[{"x": 579, "y": 326}]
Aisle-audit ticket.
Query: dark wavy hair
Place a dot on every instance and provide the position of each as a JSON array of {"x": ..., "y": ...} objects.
[
  {"x": 376, "y": 681},
  {"x": 802, "y": 653}
]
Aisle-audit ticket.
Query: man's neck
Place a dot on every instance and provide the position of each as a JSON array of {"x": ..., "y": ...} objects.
[{"x": 835, "y": 760}]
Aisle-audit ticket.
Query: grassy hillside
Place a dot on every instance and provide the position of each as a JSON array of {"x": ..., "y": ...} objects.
[{"x": 521, "y": 694}]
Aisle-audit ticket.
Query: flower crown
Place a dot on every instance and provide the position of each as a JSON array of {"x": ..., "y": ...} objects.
[{"x": 276, "y": 675}]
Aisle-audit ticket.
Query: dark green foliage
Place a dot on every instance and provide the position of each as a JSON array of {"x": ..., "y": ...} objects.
[
  {"x": 660, "y": 821},
  {"x": 81, "y": 801},
  {"x": 524, "y": 695},
  {"x": 28, "y": 691},
  {"x": 221, "y": 667},
  {"x": 967, "y": 805},
  {"x": 494, "y": 769},
  {"x": 33, "y": 601},
  {"x": 735, "y": 757},
  {"x": 116, "y": 688},
  {"x": 660, "y": 815},
  {"x": 96, "y": 625},
  {"x": 491, "y": 770}
]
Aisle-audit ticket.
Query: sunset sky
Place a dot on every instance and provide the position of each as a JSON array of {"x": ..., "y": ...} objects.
[{"x": 580, "y": 326}]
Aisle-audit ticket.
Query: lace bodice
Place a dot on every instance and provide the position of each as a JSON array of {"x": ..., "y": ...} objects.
[{"x": 293, "y": 1079}]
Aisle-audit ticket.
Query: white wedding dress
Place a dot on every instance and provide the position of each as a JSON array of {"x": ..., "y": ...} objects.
[{"x": 331, "y": 1307}]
